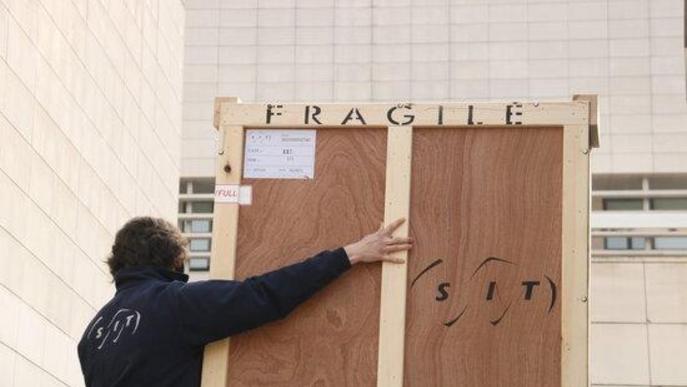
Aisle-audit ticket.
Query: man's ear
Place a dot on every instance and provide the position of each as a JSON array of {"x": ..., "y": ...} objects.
[
  {"x": 179, "y": 263},
  {"x": 179, "y": 266}
]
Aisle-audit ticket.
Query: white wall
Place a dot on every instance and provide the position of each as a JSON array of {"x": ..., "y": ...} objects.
[
  {"x": 628, "y": 51},
  {"x": 639, "y": 322},
  {"x": 90, "y": 129}
]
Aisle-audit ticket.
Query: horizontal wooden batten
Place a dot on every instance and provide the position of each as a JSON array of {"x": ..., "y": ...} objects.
[{"x": 405, "y": 114}]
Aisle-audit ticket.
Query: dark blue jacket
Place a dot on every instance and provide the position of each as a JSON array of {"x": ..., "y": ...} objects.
[{"x": 153, "y": 331}]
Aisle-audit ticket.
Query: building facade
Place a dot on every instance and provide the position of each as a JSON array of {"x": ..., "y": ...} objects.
[
  {"x": 90, "y": 131},
  {"x": 629, "y": 52}
]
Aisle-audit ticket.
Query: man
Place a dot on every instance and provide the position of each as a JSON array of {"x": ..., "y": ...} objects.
[{"x": 153, "y": 331}]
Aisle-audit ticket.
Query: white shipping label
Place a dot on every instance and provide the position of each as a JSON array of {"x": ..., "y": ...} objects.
[
  {"x": 279, "y": 154},
  {"x": 233, "y": 193}
]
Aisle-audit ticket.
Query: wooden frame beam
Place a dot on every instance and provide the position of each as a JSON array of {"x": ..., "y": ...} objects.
[
  {"x": 392, "y": 312},
  {"x": 575, "y": 257},
  {"x": 404, "y": 114},
  {"x": 224, "y": 234}
]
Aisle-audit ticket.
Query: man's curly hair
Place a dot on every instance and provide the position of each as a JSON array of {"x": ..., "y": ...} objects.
[{"x": 147, "y": 241}]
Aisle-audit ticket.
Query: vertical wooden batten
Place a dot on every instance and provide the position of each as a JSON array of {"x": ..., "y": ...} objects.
[
  {"x": 575, "y": 262},
  {"x": 394, "y": 276},
  {"x": 224, "y": 234},
  {"x": 578, "y": 142}
]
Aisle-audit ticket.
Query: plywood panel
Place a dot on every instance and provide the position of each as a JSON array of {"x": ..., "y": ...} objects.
[
  {"x": 332, "y": 339},
  {"x": 484, "y": 277}
]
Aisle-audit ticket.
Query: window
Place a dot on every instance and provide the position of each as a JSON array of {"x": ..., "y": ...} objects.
[
  {"x": 638, "y": 243},
  {"x": 623, "y": 204},
  {"x": 616, "y": 243},
  {"x": 669, "y": 204},
  {"x": 196, "y": 226},
  {"x": 670, "y": 243},
  {"x": 200, "y": 245},
  {"x": 196, "y": 206},
  {"x": 616, "y": 182},
  {"x": 204, "y": 186},
  {"x": 668, "y": 182},
  {"x": 625, "y": 243},
  {"x": 199, "y": 264},
  {"x": 202, "y": 207}
]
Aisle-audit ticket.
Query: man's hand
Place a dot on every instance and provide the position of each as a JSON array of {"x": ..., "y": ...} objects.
[{"x": 379, "y": 245}]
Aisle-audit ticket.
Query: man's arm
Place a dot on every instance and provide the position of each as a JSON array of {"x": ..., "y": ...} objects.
[
  {"x": 215, "y": 309},
  {"x": 212, "y": 310}
]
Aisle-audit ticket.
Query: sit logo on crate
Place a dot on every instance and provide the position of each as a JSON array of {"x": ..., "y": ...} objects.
[{"x": 493, "y": 289}]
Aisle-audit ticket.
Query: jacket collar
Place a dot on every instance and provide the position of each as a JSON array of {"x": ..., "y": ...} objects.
[{"x": 132, "y": 275}]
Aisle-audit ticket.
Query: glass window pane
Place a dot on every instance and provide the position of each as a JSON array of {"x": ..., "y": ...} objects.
[
  {"x": 623, "y": 204},
  {"x": 670, "y": 243},
  {"x": 202, "y": 207},
  {"x": 669, "y": 204},
  {"x": 668, "y": 182},
  {"x": 200, "y": 226},
  {"x": 200, "y": 245},
  {"x": 203, "y": 186},
  {"x": 616, "y": 182},
  {"x": 638, "y": 243},
  {"x": 616, "y": 243},
  {"x": 199, "y": 264}
]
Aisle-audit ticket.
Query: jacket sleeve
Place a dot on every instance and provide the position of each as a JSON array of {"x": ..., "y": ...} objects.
[{"x": 215, "y": 309}]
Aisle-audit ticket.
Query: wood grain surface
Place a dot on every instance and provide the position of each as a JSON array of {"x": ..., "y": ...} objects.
[
  {"x": 332, "y": 339},
  {"x": 485, "y": 207}
]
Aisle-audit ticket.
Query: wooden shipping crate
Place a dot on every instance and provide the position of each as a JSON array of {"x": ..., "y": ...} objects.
[{"x": 497, "y": 196}]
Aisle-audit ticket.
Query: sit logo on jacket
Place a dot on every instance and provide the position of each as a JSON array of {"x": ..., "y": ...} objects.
[{"x": 111, "y": 332}]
